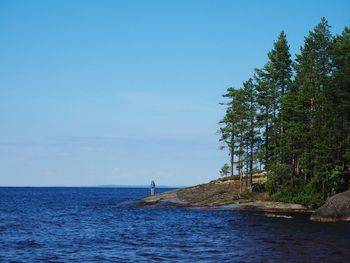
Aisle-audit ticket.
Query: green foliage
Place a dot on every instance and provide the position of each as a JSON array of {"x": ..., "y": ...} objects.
[
  {"x": 224, "y": 171},
  {"x": 271, "y": 184},
  {"x": 246, "y": 194},
  {"x": 293, "y": 118},
  {"x": 306, "y": 195},
  {"x": 337, "y": 182},
  {"x": 283, "y": 190},
  {"x": 279, "y": 174},
  {"x": 238, "y": 131}
]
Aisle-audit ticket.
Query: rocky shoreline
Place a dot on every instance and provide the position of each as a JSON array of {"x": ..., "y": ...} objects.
[
  {"x": 336, "y": 208},
  {"x": 221, "y": 195},
  {"x": 224, "y": 194}
]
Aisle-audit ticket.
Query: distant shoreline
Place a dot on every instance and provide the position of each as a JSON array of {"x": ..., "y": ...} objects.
[{"x": 97, "y": 186}]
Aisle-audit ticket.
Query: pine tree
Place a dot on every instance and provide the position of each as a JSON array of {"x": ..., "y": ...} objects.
[
  {"x": 273, "y": 83},
  {"x": 281, "y": 73},
  {"x": 340, "y": 95},
  {"x": 239, "y": 113},
  {"x": 228, "y": 129},
  {"x": 298, "y": 129},
  {"x": 313, "y": 70},
  {"x": 265, "y": 101},
  {"x": 233, "y": 129},
  {"x": 251, "y": 132},
  {"x": 224, "y": 171}
]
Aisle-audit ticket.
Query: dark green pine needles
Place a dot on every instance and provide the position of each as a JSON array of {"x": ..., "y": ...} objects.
[{"x": 292, "y": 119}]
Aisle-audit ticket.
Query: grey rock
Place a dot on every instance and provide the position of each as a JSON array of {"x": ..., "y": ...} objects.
[{"x": 336, "y": 208}]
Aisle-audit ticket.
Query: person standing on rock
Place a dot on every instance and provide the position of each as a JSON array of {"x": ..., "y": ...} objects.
[{"x": 153, "y": 188}]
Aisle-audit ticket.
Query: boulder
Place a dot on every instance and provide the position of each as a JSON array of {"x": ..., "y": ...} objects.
[{"x": 336, "y": 208}]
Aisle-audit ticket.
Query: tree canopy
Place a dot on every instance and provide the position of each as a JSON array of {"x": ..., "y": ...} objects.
[{"x": 292, "y": 118}]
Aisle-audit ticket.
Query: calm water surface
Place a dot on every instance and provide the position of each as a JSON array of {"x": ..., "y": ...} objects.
[{"x": 98, "y": 225}]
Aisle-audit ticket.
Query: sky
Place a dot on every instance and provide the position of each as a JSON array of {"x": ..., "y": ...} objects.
[{"x": 125, "y": 92}]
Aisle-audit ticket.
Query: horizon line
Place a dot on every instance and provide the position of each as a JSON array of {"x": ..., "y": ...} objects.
[{"x": 90, "y": 186}]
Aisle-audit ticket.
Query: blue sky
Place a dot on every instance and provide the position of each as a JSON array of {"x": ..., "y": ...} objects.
[{"x": 123, "y": 92}]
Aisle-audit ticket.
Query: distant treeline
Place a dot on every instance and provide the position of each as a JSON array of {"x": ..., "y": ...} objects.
[{"x": 292, "y": 118}]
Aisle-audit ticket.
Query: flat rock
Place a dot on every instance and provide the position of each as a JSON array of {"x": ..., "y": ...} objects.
[
  {"x": 217, "y": 196},
  {"x": 336, "y": 208},
  {"x": 170, "y": 197},
  {"x": 267, "y": 206}
]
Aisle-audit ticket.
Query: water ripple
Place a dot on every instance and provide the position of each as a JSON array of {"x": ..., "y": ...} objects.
[{"x": 105, "y": 225}]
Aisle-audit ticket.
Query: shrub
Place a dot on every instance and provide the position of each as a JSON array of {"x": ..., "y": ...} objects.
[
  {"x": 258, "y": 187},
  {"x": 224, "y": 171},
  {"x": 276, "y": 175},
  {"x": 246, "y": 194},
  {"x": 271, "y": 183},
  {"x": 306, "y": 195},
  {"x": 337, "y": 181}
]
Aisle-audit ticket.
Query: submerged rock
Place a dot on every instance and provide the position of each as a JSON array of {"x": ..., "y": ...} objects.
[{"x": 336, "y": 208}]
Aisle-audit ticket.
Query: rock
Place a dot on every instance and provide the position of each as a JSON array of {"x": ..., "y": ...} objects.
[
  {"x": 336, "y": 208},
  {"x": 170, "y": 197},
  {"x": 219, "y": 195}
]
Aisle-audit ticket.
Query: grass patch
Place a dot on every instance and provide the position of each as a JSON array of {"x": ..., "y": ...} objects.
[{"x": 246, "y": 194}]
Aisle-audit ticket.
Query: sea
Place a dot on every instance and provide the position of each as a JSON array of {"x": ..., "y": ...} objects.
[{"x": 106, "y": 225}]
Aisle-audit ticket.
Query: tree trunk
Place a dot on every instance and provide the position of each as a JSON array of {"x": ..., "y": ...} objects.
[
  {"x": 251, "y": 166},
  {"x": 232, "y": 160},
  {"x": 240, "y": 172},
  {"x": 281, "y": 111},
  {"x": 266, "y": 137},
  {"x": 247, "y": 169},
  {"x": 251, "y": 154}
]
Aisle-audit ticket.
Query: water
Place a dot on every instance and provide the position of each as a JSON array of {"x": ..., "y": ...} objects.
[{"x": 96, "y": 225}]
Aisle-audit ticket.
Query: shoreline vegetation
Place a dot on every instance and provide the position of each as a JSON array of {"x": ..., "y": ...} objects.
[
  {"x": 224, "y": 194},
  {"x": 292, "y": 120}
]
